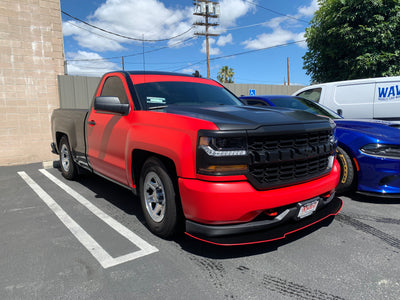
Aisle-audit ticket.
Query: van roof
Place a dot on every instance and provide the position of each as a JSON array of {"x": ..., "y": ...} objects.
[{"x": 358, "y": 81}]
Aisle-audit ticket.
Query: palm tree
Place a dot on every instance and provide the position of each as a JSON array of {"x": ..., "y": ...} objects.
[{"x": 225, "y": 75}]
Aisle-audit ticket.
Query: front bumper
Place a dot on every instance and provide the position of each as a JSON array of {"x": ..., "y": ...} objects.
[
  {"x": 227, "y": 203},
  {"x": 379, "y": 176},
  {"x": 264, "y": 232},
  {"x": 220, "y": 212}
]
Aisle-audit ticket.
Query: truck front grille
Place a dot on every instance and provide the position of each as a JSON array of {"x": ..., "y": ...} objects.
[{"x": 288, "y": 159}]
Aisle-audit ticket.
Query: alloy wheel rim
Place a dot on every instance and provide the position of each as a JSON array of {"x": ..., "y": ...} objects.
[
  {"x": 65, "y": 159},
  {"x": 154, "y": 195}
]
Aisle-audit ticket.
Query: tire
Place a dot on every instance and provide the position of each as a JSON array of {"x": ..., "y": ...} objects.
[
  {"x": 159, "y": 199},
  {"x": 68, "y": 167},
  {"x": 347, "y": 173}
]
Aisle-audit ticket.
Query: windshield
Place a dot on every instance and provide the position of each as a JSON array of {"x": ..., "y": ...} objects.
[
  {"x": 160, "y": 94},
  {"x": 304, "y": 104}
]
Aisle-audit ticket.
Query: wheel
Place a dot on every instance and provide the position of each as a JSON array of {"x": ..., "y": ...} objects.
[
  {"x": 347, "y": 174},
  {"x": 159, "y": 199},
  {"x": 68, "y": 167}
]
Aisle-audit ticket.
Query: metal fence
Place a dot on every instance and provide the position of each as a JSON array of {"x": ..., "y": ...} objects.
[
  {"x": 78, "y": 91},
  {"x": 240, "y": 89}
]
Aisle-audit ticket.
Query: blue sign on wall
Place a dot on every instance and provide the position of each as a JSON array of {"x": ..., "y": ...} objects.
[{"x": 252, "y": 92}]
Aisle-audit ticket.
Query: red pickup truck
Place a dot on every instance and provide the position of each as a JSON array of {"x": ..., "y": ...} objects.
[{"x": 200, "y": 160}]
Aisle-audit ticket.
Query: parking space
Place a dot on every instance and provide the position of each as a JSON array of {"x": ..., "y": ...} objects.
[{"x": 87, "y": 239}]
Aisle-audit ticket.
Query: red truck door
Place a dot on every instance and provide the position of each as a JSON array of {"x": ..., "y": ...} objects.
[{"x": 107, "y": 132}]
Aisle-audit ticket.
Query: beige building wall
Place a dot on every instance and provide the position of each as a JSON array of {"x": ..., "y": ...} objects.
[{"x": 31, "y": 57}]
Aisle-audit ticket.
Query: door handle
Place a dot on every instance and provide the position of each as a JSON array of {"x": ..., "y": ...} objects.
[{"x": 92, "y": 122}]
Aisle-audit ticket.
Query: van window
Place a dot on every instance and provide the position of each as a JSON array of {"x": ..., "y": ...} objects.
[{"x": 311, "y": 94}]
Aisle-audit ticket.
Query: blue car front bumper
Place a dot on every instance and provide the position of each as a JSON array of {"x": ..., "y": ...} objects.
[{"x": 379, "y": 175}]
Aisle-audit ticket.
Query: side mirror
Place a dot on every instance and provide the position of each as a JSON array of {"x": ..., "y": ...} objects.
[
  {"x": 110, "y": 104},
  {"x": 340, "y": 112}
]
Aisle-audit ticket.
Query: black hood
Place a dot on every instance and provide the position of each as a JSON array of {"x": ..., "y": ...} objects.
[{"x": 246, "y": 117}]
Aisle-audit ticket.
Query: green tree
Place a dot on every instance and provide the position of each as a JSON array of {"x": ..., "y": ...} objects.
[
  {"x": 350, "y": 39},
  {"x": 225, "y": 75}
]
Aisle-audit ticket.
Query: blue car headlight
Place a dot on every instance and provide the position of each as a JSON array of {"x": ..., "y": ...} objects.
[{"x": 382, "y": 150}]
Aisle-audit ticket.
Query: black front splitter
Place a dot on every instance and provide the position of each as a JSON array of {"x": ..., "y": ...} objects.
[{"x": 276, "y": 233}]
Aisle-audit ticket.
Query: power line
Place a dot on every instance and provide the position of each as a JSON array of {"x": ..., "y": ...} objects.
[
  {"x": 124, "y": 36},
  {"x": 246, "y": 26},
  {"x": 276, "y": 12},
  {"x": 256, "y": 50},
  {"x": 103, "y": 36},
  {"x": 134, "y": 54},
  {"x": 242, "y": 53}
]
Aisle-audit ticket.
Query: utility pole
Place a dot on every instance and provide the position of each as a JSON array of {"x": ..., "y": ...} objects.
[
  {"x": 207, "y": 9},
  {"x": 288, "y": 75}
]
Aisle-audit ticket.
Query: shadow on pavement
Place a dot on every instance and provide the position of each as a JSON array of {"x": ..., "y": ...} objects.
[
  {"x": 204, "y": 249},
  {"x": 124, "y": 199}
]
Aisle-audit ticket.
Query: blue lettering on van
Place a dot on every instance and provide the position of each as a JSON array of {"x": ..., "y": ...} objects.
[
  {"x": 389, "y": 93},
  {"x": 382, "y": 92}
]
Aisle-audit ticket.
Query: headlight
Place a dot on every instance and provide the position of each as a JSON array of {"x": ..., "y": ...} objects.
[
  {"x": 221, "y": 153},
  {"x": 223, "y": 146},
  {"x": 382, "y": 150}
]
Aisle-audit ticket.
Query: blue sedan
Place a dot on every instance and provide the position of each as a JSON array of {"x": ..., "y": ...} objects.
[{"x": 368, "y": 150}]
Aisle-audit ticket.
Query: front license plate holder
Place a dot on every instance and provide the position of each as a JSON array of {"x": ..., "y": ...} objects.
[{"x": 307, "y": 208}]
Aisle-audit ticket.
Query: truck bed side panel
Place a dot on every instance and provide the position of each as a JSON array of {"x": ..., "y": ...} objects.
[{"x": 70, "y": 122}]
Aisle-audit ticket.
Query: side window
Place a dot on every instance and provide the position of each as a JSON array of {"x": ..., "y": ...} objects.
[
  {"x": 312, "y": 94},
  {"x": 113, "y": 86}
]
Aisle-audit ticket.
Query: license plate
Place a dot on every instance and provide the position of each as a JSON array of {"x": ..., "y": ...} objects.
[{"x": 307, "y": 209}]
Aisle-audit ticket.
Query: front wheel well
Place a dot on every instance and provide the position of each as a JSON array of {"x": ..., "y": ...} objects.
[
  {"x": 348, "y": 171},
  {"x": 139, "y": 157}
]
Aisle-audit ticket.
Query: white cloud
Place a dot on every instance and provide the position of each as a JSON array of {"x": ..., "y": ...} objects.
[
  {"x": 90, "y": 38},
  {"x": 231, "y": 10},
  {"x": 187, "y": 71},
  {"x": 224, "y": 39},
  {"x": 283, "y": 30},
  {"x": 212, "y": 51},
  {"x": 300, "y": 37},
  {"x": 309, "y": 11},
  {"x": 88, "y": 64},
  {"x": 148, "y": 19},
  {"x": 277, "y": 37},
  {"x": 151, "y": 20}
]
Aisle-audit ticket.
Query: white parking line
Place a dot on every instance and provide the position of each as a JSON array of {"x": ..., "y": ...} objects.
[{"x": 105, "y": 259}]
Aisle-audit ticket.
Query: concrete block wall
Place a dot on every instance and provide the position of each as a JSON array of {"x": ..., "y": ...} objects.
[{"x": 31, "y": 57}]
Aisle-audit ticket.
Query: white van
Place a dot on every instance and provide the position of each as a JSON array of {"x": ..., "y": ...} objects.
[{"x": 373, "y": 98}]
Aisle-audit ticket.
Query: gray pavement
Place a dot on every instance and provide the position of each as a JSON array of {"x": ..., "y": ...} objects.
[{"x": 86, "y": 240}]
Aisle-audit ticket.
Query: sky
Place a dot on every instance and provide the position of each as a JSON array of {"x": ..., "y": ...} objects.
[{"x": 255, "y": 38}]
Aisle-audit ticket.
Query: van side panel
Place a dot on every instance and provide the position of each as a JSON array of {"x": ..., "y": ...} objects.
[
  {"x": 355, "y": 100},
  {"x": 387, "y": 100}
]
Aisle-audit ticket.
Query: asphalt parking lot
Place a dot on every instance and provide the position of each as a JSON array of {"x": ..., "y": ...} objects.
[{"x": 86, "y": 239}]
